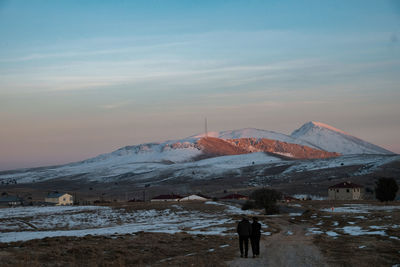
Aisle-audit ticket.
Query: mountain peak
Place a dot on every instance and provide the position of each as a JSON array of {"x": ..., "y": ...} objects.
[
  {"x": 323, "y": 126},
  {"x": 331, "y": 139}
]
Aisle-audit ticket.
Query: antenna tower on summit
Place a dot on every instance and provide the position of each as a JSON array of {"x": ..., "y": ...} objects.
[{"x": 205, "y": 126}]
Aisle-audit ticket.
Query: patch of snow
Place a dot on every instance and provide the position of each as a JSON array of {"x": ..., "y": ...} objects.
[
  {"x": 314, "y": 230},
  {"x": 331, "y": 233},
  {"x": 357, "y": 231},
  {"x": 361, "y": 208},
  {"x": 360, "y": 217},
  {"x": 378, "y": 227},
  {"x": 232, "y": 209},
  {"x": 307, "y": 196}
]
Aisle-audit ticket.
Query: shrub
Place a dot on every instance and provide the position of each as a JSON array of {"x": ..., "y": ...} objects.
[
  {"x": 266, "y": 199},
  {"x": 386, "y": 189},
  {"x": 369, "y": 190},
  {"x": 248, "y": 205}
]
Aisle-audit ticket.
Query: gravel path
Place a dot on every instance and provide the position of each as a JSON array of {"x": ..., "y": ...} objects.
[{"x": 289, "y": 247}]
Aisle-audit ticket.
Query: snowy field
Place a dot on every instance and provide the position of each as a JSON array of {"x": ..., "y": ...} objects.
[
  {"x": 26, "y": 223},
  {"x": 356, "y": 220},
  {"x": 361, "y": 208}
]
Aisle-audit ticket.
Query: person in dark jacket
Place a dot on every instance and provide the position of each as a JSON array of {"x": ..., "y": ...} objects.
[
  {"x": 255, "y": 237},
  {"x": 244, "y": 232}
]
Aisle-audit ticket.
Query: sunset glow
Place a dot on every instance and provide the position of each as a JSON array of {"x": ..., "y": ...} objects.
[{"x": 81, "y": 78}]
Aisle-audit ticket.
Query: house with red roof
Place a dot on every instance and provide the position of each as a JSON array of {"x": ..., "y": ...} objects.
[
  {"x": 288, "y": 199},
  {"x": 345, "y": 191},
  {"x": 236, "y": 196}
]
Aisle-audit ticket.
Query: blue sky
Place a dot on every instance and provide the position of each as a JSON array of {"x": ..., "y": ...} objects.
[{"x": 79, "y": 78}]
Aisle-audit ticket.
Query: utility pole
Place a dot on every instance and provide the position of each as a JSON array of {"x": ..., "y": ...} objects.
[{"x": 205, "y": 124}]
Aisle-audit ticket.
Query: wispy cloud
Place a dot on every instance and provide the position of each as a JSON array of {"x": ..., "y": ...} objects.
[
  {"x": 76, "y": 53},
  {"x": 115, "y": 105}
]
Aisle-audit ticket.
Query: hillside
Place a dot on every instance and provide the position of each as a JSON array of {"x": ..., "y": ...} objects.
[
  {"x": 328, "y": 138},
  {"x": 219, "y": 147},
  {"x": 246, "y": 155}
]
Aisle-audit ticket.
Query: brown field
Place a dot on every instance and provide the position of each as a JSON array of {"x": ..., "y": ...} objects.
[
  {"x": 290, "y": 242},
  {"x": 141, "y": 249}
]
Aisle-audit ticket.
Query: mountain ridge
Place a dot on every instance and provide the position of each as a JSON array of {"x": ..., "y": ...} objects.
[{"x": 187, "y": 149}]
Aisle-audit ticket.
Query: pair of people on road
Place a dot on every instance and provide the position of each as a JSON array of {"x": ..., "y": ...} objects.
[{"x": 248, "y": 231}]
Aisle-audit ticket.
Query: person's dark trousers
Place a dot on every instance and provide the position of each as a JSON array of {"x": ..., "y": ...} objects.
[
  {"x": 255, "y": 245},
  {"x": 244, "y": 239}
]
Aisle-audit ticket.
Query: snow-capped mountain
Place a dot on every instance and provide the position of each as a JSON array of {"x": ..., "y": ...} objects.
[
  {"x": 328, "y": 138},
  {"x": 231, "y": 150}
]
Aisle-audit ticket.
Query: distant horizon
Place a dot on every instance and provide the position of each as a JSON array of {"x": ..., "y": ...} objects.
[{"x": 79, "y": 79}]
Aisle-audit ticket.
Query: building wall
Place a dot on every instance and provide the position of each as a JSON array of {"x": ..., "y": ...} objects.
[
  {"x": 344, "y": 193},
  {"x": 63, "y": 200}
]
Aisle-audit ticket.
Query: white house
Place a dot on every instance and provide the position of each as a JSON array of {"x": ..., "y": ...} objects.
[
  {"x": 194, "y": 198},
  {"x": 60, "y": 199}
]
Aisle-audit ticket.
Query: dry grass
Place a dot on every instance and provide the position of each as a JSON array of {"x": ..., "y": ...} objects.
[
  {"x": 350, "y": 250},
  {"x": 186, "y": 205},
  {"x": 142, "y": 249},
  {"x": 182, "y": 249}
]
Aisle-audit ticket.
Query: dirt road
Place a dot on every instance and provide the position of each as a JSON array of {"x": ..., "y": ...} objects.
[{"x": 289, "y": 247}]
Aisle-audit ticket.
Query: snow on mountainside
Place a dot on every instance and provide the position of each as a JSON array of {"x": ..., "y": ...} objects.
[
  {"x": 328, "y": 138},
  {"x": 252, "y": 133},
  {"x": 179, "y": 157}
]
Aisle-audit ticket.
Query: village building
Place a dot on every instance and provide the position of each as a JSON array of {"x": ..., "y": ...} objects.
[
  {"x": 59, "y": 199},
  {"x": 345, "y": 191},
  {"x": 170, "y": 197},
  {"x": 236, "y": 197},
  {"x": 196, "y": 197},
  {"x": 288, "y": 199},
  {"x": 10, "y": 201}
]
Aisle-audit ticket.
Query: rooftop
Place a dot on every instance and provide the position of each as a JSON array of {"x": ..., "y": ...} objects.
[
  {"x": 347, "y": 184},
  {"x": 55, "y": 195},
  {"x": 234, "y": 196}
]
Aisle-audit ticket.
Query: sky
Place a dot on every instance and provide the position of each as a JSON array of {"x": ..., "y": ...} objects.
[{"x": 81, "y": 78}]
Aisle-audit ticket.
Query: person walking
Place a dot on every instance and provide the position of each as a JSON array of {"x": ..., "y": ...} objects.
[
  {"x": 244, "y": 232},
  {"x": 255, "y": 237}
]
